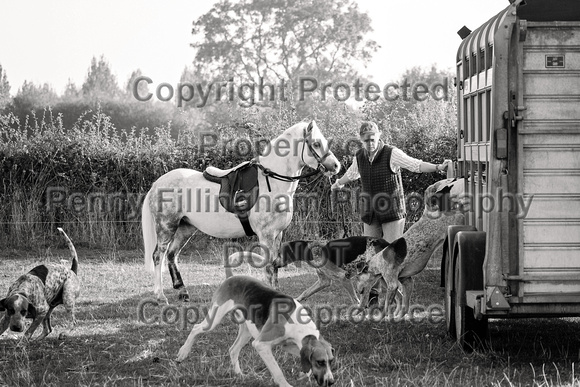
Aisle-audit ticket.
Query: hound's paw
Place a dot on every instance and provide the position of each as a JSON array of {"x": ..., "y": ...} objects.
[
  {"x": 303, "y": 377},
  {"x": 182, "y": 355},
  {"x": 237, "y": 372}
]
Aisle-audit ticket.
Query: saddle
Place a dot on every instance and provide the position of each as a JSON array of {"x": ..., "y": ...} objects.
[{"x": 238, "y": 190}]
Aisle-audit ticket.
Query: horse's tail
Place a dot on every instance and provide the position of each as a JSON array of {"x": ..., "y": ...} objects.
[
  {"x": 237, "y": 258},
  {"x": 149, "y": 234}
]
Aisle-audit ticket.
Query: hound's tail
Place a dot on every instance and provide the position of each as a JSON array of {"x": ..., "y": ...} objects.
[
  {"x": 149, "y": 235},
  {"x": 73, "y": 252},
  {"x": 237, "y": 258}
]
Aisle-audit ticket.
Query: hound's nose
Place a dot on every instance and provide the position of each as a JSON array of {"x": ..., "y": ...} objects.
[{"x": 16, "y": 328}]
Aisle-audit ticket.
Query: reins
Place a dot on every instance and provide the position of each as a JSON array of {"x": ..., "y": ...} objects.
[
  {"x": 338, "y": 208},
  {"x": 271, "y": 174}
]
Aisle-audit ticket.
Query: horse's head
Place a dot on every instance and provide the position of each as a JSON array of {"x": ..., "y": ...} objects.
[{"x": 316, "y": 151}]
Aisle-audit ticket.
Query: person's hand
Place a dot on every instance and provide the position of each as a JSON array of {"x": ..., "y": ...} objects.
[
  {"x": 446, "y": 164},
  {"x": 442, "y": 168},
  {"x": 336, "y": 185}
]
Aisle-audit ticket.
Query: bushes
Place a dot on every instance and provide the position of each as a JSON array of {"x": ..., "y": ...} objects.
[
  {"x": 91, "y": 177},
  {"x": 88, "y": 179}
]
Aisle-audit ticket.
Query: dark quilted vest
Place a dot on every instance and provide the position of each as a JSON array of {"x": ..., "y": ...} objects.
[{"x": 382, "y": 195}]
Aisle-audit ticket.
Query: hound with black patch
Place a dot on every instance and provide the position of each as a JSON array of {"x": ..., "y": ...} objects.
[
  {"x": 36, "y": 294},
  {"x": 272, "y": 319},
  {"x": 339, "y": 259}
]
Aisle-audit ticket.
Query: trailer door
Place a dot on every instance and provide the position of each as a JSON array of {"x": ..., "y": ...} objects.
[{"x": 549, "y": 162}]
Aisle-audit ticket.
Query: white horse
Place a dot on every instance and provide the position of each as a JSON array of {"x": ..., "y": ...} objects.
[{"x": 183, "y": 201}]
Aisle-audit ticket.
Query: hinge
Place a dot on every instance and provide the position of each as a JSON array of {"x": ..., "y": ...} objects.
[{"x": 523, "y": 30}]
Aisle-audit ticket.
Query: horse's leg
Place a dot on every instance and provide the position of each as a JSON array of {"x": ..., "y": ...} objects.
[
  {"x": 271, "y": 268},
  {"x": 158, "y": 261},
  {"x": 277, "y": 244},
  {"x": 165, "y": 235},
  {"x": 182, "y": 235}
]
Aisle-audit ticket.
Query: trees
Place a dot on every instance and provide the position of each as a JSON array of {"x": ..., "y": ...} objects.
[
  {"x": 31, "y": 96},
  {"x": 71, "y": 92},
  {"x": 246, "y": 44},
  {"x": 4, "y": 89},
  {"x": 100, "y": 82},
  {"x": 282, "y": 39},
  {"x": 142, "y": 88}
]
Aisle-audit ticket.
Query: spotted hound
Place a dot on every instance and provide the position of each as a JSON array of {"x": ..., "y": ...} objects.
[
  {"x": 36, "y": 294},
  {"x": 384, "y": 269},
  {"x": 272, "y": 319},
  {"x": 406, "y": 257}
]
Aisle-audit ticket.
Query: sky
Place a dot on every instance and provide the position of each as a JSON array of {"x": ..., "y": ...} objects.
[{"x": 54, "y": 41}]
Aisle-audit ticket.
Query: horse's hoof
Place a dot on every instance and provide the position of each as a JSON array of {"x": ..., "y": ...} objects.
[
  {"x": 184, "y": 297},
  {"x": 162, "y": 300}
]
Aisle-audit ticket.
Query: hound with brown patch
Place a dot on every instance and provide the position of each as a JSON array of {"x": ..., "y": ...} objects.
[
  {"x": 36, "y": 294},
  {"x": 272, "y": 319}
]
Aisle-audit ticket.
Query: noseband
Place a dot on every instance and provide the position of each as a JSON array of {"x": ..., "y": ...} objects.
[{"x": 308, "y": 141}]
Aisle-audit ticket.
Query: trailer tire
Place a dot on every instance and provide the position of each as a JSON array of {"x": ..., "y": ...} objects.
[
  {"x": 449, "y": 300},
  {"x": 448, "y": 278},
  {"x": 470, "y": 333}
]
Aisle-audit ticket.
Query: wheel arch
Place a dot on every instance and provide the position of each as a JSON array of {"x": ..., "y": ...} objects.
[
  {"x": 468, "y": 258},
  {"x": 450, "y": 243}
]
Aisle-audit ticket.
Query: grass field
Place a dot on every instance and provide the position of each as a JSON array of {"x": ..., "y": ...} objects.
[{"x": 110, "y": 346}]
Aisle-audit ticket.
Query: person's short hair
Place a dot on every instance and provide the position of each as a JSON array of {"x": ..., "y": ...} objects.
[{"x": 368, "y": 127}]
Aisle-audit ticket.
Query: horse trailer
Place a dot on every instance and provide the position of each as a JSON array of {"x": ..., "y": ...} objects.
[{"x": 518, "y": 152}]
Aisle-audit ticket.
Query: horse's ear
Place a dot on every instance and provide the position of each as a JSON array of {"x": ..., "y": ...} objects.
[{"x": 310, "y": 127}]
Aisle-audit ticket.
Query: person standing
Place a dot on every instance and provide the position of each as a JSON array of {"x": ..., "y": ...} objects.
[{"x": 382, "y": 200}]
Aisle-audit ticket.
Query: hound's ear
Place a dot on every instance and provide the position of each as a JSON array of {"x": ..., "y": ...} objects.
[
  {"x": 399, "y": 247},
  {"x": 2, "y": 305},
  {"x": 379, "y": 244},
  {"x": 31, "y": 311},
  {"x": 306, "y": 353},
  {"x": 328, "y": 347}
]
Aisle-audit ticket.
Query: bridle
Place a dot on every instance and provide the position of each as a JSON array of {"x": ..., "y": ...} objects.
[
  {"x": 307, "y": 137},
  {"x": 308, "y": 141}
]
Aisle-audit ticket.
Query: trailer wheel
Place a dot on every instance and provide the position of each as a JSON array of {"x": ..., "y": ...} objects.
[
  {"x": 449, "y": 298},
  {"x": 470, "y": 333},
  {"x": 448, "y": 276}
]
